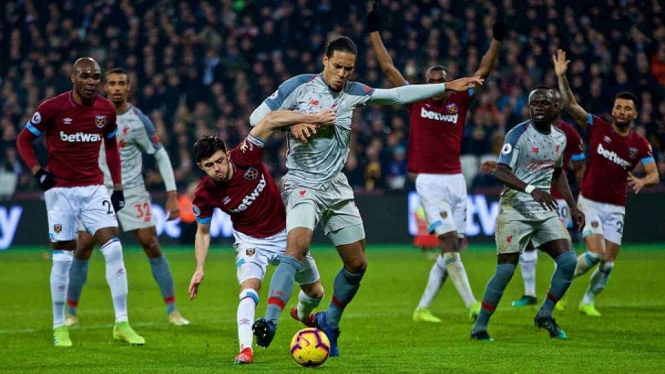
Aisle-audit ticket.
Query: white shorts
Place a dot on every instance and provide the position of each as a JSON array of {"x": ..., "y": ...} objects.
[
  {"x": 563, "y": 210},
  {"x": 65, "y": 206},
  {"x": 443, "y": 198},
  {"x": 137, "y": 213},
  {"x": 604, "y": 219},
  {"x": 253, "y": 255}
]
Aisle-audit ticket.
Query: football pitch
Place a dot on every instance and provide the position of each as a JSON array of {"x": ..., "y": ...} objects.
[{"x": 378, "y": 334}]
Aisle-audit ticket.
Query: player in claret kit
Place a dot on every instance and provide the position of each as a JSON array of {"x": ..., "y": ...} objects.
[
  {"x": 435, "y": 141},
  {"x": 136, "y": 134},
  {"x": 237, "y": 183},
  {"x": 75, "y": 123},
  {"x": 530, "y": 164},
  {"x": 614, "y": 151}
]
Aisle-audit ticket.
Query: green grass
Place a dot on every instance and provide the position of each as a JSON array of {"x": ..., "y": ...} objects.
[{"x": 378, "y": 333}]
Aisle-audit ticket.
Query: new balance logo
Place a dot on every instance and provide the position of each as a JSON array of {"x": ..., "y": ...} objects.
[
  {"x": 612, "y": 156},
  {"x": 80, "y": 137},
  {"x": 424, "y": 113},
  {"x": 249, "y": 199}
]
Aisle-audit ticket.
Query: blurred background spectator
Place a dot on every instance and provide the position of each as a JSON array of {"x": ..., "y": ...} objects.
[{"x": 201, "y": 67}]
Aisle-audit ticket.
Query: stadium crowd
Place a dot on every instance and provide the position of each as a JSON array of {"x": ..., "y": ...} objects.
[{"x": 201, "y": 67}]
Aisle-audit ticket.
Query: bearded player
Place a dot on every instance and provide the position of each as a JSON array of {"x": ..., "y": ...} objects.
[
  {"x": 435, "y": 141},
  {"x": 614, "y": 151}
]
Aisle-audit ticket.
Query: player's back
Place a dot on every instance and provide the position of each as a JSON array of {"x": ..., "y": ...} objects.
[
  {"x": 435, "y": 136},
  {"x": 611, "y": 157},
  {"x": 251, "y": 197},
  {"x": 136, "y": 134},
  {"x": 532, "y": 156},
  {"x": 74, "y": 134}
]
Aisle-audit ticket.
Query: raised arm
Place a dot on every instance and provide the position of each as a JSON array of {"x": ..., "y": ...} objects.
[
  {"x": 417, "y": 92},
  {"x": 580, "y": 115},
  {"x": 490, "y": 57},
  {"x": 373, "y": 22}
]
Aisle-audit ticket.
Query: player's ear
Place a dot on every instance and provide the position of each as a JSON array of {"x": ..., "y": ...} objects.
[{"x": 73, "y": 78}]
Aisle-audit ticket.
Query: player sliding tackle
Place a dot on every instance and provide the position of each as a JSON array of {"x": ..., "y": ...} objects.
[
  {"x": 530, "y": 163},
  {"x": 614, "y": 151},
  {"x": 238, "y": 184},
  {"x": 316, "y": 191}
]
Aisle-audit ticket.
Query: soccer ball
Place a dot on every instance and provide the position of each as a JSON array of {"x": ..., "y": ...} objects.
[{"x": 310, "y": 347}]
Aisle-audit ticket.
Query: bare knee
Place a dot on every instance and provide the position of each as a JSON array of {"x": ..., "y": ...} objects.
[
  {"x": 85, "y": 244},
  {"x": 314, "y": 290},
  {"x": 150, "y": 245},
  {"x": 297, "y": 242},
  {"x": 449, "y": 242}
]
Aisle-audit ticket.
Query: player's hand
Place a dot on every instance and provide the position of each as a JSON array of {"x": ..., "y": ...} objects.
[
  {"x": 373, "y": 19},
  {"x": 171, "y": 205},
  {"x": 636, "y": 184},
  {"x": 118, "y": 200},
  {"x": 325, "y": 117},
  {"x": 578, "y": 217},
  {"x": 499, "y": 30},
  {"x": 488, "y": 167},
  {"x": 463, "y": 84},
  {"x": 302, "y": 131},
  {"x": 560, "y": 63},
  {"x": 45, "y": 179},
  {"x": 544, "y": 199},
  {"x": 197, "y": 278}
]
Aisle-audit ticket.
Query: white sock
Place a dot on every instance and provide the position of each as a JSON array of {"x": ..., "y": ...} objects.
[
  {"x": 306, "y": 305},
  {"x": 528, "y": 261},
  {"x": 437, "y": 276},
  {"x": 116, "y": 276},
  {"x": 585, "y": 261},
  {"x": 245, "y": 317},
  {"x": 62, "y": 262},
  {"x": 457, "y": 273},
  {"x": 598, "y": 282}
]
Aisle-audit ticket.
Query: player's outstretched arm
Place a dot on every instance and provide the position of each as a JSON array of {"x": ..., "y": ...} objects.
[
  {"x": 201, "y": 246},
  {"x": 505, "y": 175},
  {"x": 499, "y": 30},
  {"x": 280, "y": 118},
  {"x": 417, "y": 92},
  {"x": 578, "y": 113},
  {"x": 560, "y": 183},
  {"x": 373, "y": 22}
]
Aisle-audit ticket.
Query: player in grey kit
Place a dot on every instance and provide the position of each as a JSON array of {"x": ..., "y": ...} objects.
[
  {"x": 530, "y": 163},
  {"x": 316, "y": 191}
]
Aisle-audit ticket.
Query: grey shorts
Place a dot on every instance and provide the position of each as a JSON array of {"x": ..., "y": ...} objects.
[
  {"x": 513, "y": 232},
  {"x": 331, "y": 204}
]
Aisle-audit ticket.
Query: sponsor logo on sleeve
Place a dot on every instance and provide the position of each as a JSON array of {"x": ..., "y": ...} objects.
[
  {"x": 507, "y": 148},
  {"x": 36, "y": 118},
  {"x": 196, "y": 210},
  {"x": 274, "y": 95}
]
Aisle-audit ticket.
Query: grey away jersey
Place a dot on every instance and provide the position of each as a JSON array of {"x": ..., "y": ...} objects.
[
  {"x": 325, "y": 154},
  {"x": 136, "y": 134},
  {"x": 532, "y": 156}
]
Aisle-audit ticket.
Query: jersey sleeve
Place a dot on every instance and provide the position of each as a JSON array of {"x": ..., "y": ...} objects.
[
  {"x": 559, "y": 162},
  {"x": 511, "y": 147},
  {"x": 574, "y": 145},
  {"x": 284, "y": 98},
  {"x": 112, "y": 127},
  {"x": 200, "y": 207},
  {"x": 595, "y": 123},
  {"x": 646, "y": 153},
  {"x": 147, "y": 140},
  {"x": 359, "y": 94},
  {"x": 249, "y": 152},
  {"x": 42, "y": 119}
]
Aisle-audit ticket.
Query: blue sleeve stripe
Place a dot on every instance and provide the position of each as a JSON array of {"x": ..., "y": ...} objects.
[
  {"x": 471, "y": 92},
  {"x": 33, "y": 129},
  {"x": 433, "y": 226},
  {"x": 205, "y": 221},
  {"x": 577, "y": 157},
  {"x": 648, "y": 160},
  {"x": 590, "y": 119},
  {"x": 112, "y": 134}
]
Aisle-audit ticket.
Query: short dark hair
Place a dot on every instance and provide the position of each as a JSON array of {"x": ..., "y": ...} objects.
[
  {"x": 550, "y": 93},
  {"x": 117, "y": 71},
  {"x": 208, "y": 146},
  {"x": 341, "y": 44},
  {"x": 627, "y": 96},
  {"x": 438, "y": 68}
]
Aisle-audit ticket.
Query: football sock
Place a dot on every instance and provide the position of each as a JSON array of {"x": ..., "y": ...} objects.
[
  {"x": 77, "y": 278},
  {"x": 493, "y": 292},
  {"x": 585, "y": 261},
  {"x": 344, "y": 289},
  {"x": 281, "y": 286},
  {"x": 561, "y": 280},
  {"x": 528, "y": 261},
  {"x": 306, "y": 304},
  {"x": 116, "y": 276},
  {"x": 245, "y": 317},
  {"x": 457, "y": 274},
  {"x": 437, "y": 276},
  {"x": 598, "y": 282},
  {"x": 62, "y": 262},
  {"x": 162, "y": 274}
]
